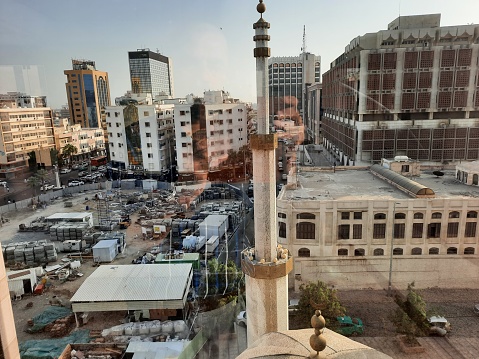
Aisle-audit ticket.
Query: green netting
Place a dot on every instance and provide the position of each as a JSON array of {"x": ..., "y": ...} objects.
[
  {"x": 51, "y": 348},
  {"x": 49, "y": 315}
]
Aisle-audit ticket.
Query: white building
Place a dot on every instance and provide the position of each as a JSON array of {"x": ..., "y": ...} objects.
[
  {"x": 349, "y": 227},
  {"x": 206, "y": 129},
  {"x": 141, "y": 137}
]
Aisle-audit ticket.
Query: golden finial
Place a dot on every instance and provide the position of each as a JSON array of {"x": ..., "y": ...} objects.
[
  {"x": 261, "y": 8},
  {"x": 317, "y": 340}
]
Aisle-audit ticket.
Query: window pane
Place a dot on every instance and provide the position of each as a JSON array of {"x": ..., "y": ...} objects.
[
  {"x": 357, "y": 231},
  {"x": 379, "y": 230}
]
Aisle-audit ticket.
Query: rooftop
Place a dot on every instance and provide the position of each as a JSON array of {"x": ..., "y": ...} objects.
[
  {"x": 359, "y": 183},
  {"x": 137, "y": 282}
]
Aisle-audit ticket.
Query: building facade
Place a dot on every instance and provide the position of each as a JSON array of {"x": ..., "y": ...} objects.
[
  {"x": 88, "y": 91},
  {"x": 313, "y": 114},
  {"x": 349, "y": 227},
  {"x": 289, "y": 76},
  {"x": 411, "y": 90},
  {"x": 22, "y": 100},
  {"x": 150, "y": 72},
  {"x": 23, "y": 131},
  {"x": 141, "y": 138},
  {"x": 206, "y": 131}
]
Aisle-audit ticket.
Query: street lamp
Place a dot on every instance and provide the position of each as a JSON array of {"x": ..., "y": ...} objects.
[{"x": 391, "y": 252}]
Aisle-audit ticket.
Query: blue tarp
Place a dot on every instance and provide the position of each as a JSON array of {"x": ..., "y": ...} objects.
[{"x": 51, "y": 348}]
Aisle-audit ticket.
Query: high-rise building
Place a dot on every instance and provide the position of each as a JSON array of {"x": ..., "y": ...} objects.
[
  {"x": 411, "y": 90},
  {"x": 289, "y": 78},
  {"x": 206, "y": 131},
  {"x": 23, "y": 131},
  {"x": 150, "y": 72},
  {"x": 88, "y": 91}
]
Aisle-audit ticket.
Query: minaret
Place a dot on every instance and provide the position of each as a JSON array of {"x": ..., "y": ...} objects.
[{"x": 266, "y": 266}]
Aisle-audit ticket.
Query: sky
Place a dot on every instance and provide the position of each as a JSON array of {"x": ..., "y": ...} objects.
[{"x": 210, "y": 42}]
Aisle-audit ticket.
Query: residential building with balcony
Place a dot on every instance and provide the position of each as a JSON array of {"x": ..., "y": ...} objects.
[
  {"x": 411, "y": 90},
  {"x": 22, "y": 100},
  {"x": 141, "y": 138},
  {"x": 206, "y": 130},
  {"x": 24, "y": 130}
]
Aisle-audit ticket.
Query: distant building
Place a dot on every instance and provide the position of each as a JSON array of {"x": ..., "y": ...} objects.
[
  {"x": 347, "y": 226},
  {"x": 410, "y": 90},
  {"x": 24, "y": 130},
  {"x": 141, "y": 137},
  {"x": 150, "y": 72},
  {"x": 88, "y": 91},
  {"x": 313, "y": 114},
  {"x": 88, "y": 141},
  {"x": 206, "y": 129},
  {"x": 289, "y": 77},
  {"x": 22, "y": 100}
]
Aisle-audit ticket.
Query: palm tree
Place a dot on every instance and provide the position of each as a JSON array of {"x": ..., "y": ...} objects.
[
  {"x": 68, "y": 151},
  {"x": 33, "y": 182},
  {"x": 42, "y": 176}
]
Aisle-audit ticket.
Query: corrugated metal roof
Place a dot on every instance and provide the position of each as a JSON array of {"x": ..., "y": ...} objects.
[
  {"x": 135, "y": 282},
  {"x": 73, "y": 215},
  {"x": 413, "y": 187}
]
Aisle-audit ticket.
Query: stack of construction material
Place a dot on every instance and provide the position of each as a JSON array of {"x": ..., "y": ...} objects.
[
  {"x": 50, "y": 252},
  {"x": 19, "y": 257},
  {"x": 29, "y": 256},
  {"x": 60, "y": 327},
  {"x": 68, "y": 231},
  {"x": 39, "y": 253},
  {"x": 9, "y": 254}
]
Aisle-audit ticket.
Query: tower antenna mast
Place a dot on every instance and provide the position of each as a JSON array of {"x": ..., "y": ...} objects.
[{"x": 303, "y": 49}]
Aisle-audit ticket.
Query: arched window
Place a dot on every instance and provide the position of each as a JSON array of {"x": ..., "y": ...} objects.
[
  {"x": 378, "y": 252},
  {"x": 436, "y": 215},
  {"x": 418, "y": 215},
  {"x": 469, "y": 250},
  {"x": 454, "y": 214},
  {"x": 400, "y": 216},
  {"x": 305, "y": 216},
  {"x": 287, "y": 65},
  {"x": 452, "y": 250},
  {"x": 472, "y": 214},
  {"x": 359, "y": 252},
  {"x": 434, "y": 250},
  {"x": 380, "y": 216},
  {"x": 305, "y": 230},
  {"x": 398, "y": 251},
  {"x": 342, "y": 252},
  {"x": 416, "y": 251},
  {"x": 281, "y": 215},
  {"x": 303, "y": 252}
]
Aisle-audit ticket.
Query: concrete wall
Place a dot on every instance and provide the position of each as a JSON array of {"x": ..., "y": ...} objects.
[{"x": 444, "y": 271}]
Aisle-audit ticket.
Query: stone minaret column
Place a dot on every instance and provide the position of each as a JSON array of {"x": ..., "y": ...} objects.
[
  {"x": 7, "y": 325},
  {"x": 266, "y": 266}
]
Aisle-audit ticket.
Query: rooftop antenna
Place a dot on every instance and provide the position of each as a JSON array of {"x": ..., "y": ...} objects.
[{"x": 303, "y": 49}]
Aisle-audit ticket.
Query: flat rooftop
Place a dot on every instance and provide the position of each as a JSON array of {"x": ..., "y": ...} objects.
[{"x": 359, "y": 183}]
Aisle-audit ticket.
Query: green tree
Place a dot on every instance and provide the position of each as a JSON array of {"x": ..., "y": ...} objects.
[
  {"x": 317, "y": 295},
  {"x": 32, "y": 160},
  {"x": 33, "y": 182},
  {"x": 68, "y": 151}
]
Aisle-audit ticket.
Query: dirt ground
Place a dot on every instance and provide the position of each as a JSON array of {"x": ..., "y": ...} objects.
[{"x": 372, "y": 306}]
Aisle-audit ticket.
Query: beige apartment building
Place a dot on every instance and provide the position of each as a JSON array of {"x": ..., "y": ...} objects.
[
  {"x": 88, "y": 141},
  {"x": 348, "y": 227},
  {"x": 24, "y": 130}
]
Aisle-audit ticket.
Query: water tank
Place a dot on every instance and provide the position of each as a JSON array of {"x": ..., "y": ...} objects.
[{"x": 401, "y": 158}]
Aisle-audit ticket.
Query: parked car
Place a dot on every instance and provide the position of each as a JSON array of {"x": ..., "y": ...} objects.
[
  {"x": 102, "y": 169},
  {"x": 75, "y": 166},
  {"x": 293, "y": 305},
  {"x": 241, "y": 319},
  {"x": 65, "y": 170},
  {"x": 4, "y": 183},
  {"x": 47, "y": 187},
  {"x": 284, "y": 176},
  {"x": 75, "y": 183},
  {"x": 439, "y": 326},
  {"x": 82, "y": 173},
  {"x": 349, "y": 326}
]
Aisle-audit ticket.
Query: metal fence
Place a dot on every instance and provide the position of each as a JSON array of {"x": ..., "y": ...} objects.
[{"x": 46, "y": 197}]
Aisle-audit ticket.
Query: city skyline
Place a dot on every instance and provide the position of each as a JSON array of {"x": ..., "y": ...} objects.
[{"x": 210, "y": 43}]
